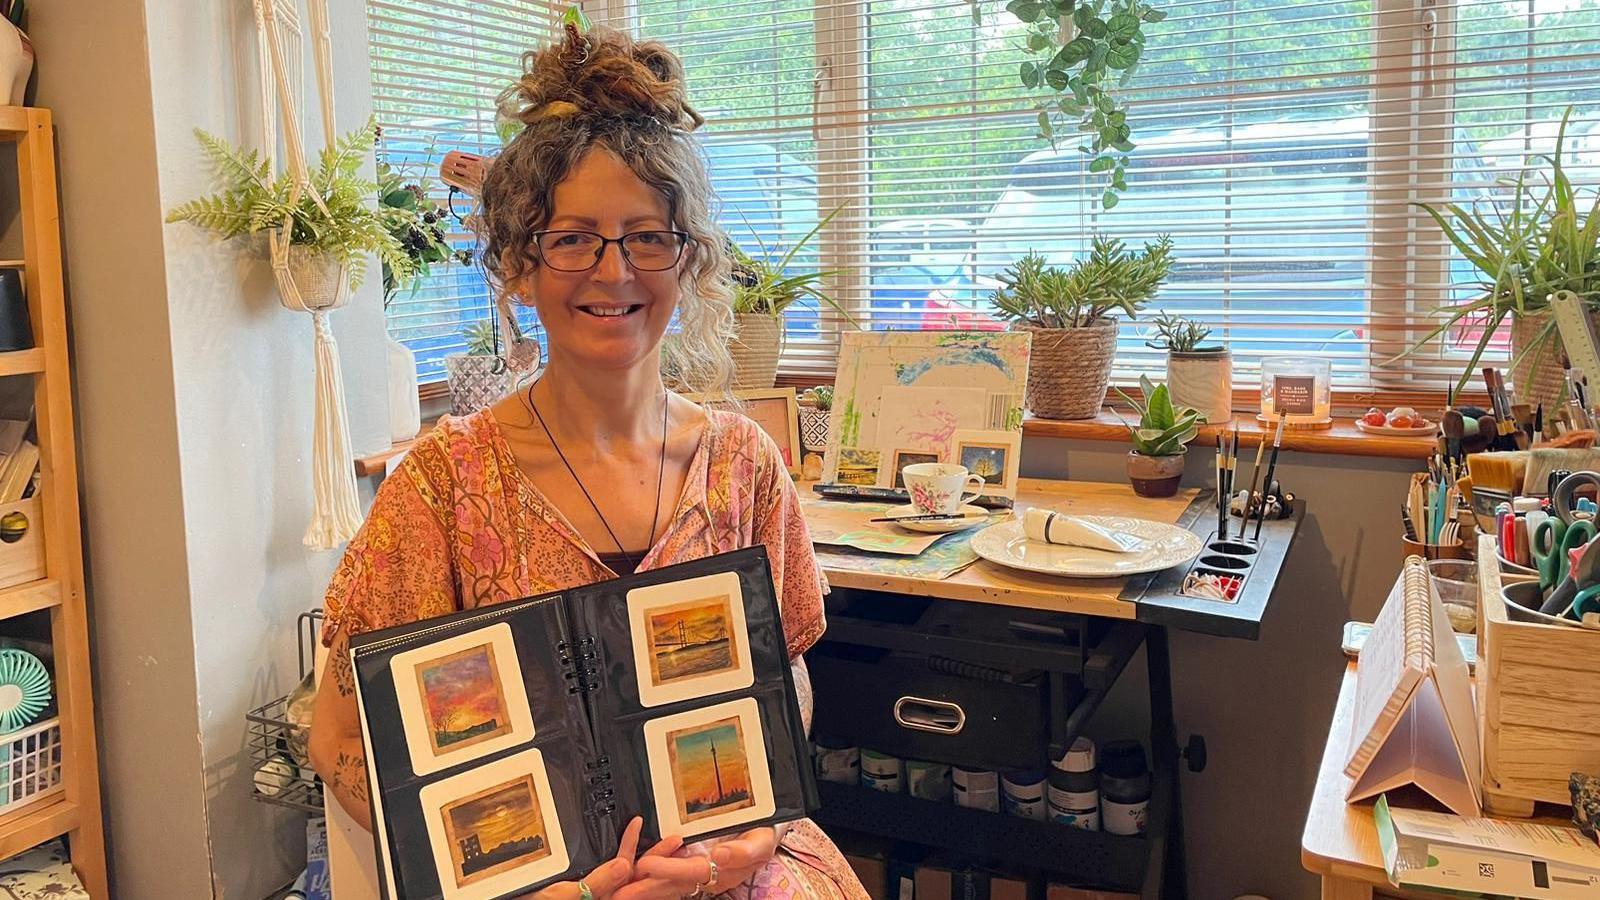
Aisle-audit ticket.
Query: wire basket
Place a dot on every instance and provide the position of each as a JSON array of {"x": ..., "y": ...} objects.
[
  {"x": 277, "y": 777},
  {"x": 30, "y": 764}
]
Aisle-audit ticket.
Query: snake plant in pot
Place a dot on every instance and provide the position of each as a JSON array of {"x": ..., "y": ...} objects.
[
  {"x": 1071, "y": 313},
  {"x": 1199, "y": 375},
  {"x": 1160, "y": 442}
]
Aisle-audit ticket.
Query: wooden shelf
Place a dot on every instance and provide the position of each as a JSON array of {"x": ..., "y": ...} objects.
[
  {"x": 376, "y": 463},
  {"x": 18, "y": 121},
  {"x": 1344, "y": 438},
  {"x": 31, "y": 827},
  {"x": 13, "y": 263},
  {"x": 22, "y": 362},
  {"x": 29, "y": 597}
]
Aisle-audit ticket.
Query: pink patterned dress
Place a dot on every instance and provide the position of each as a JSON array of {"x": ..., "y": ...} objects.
[{"x": 459, "y": 525}]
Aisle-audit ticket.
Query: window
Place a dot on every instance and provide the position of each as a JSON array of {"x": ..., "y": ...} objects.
[
  {"x": 437, "y": 67},
  {"x": 1280, "y": 142}
]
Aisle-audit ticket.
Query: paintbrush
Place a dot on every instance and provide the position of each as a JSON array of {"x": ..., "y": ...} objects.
[
  {"x": 1255, "y": 472},
  {"x": 1221, "y": 504},
  {"x": 1233, "y": 470},
  {"x": 931, "y": 517},
  {"x": 1272, "y": 463}
]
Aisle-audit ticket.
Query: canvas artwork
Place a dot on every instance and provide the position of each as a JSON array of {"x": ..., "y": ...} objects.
[
  {"x": 462, "y": 698},
  {"x": 689, "y": 638},
  {"x": 903, "y": 458},
  {"x": 708, "y": 768},
  {"x": 494, "y": 828},
  {"x": 857, "y": 466},
  {"x": 710, "y": 773},
  {"x": 994, "y": 456},
  {"x": 963, "y": 381}
]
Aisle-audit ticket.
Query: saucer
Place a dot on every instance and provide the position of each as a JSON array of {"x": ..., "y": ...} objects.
[{"x": 980, "y": 516}]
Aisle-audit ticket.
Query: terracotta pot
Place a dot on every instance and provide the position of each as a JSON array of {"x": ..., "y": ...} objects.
[
  {"x": 1154, "y": 476},
  {"x": 1203, "y": 381},
  {"x": 755, "y": 350},
  {"x": 1069, "y": 369}
]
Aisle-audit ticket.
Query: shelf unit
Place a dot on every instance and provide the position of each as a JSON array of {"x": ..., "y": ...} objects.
[{"x": 75, "y": 812}]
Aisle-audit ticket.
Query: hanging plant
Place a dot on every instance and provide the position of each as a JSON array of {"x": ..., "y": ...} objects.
[{"x": 1080, "y": 52}]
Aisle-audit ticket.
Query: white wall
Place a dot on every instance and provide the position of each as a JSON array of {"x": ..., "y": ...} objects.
[{"x": 195, "y": 398}]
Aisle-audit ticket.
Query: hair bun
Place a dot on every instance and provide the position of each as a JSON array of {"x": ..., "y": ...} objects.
[{"x": 601, "y": 74}]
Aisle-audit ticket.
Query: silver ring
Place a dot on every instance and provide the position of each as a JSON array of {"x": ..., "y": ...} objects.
[
  {"x": 583, "y": 890},
  {"x": 712, "y": 881}
]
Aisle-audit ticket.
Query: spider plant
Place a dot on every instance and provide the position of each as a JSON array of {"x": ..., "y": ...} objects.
[
  {"x": 1526, "y": 248},
  {"x": 760, "y": 286}
]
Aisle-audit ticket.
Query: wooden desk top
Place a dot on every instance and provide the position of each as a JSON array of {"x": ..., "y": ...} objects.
[{"x": 985, "y": 582}]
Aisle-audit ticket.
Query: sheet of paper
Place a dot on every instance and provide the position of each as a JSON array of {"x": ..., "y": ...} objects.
[{"x": 844, "y": 523}]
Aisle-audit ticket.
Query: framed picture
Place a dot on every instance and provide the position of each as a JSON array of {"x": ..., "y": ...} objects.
[
  {"x": 708, "y": 768},
  {"x": 894, "y": 474},
  {"x": 689, "y": 638},
  {"x": 905, "y": 390},
  {"x": 858, "y": 466},
  {"x": 992, "y": 455},
  {"x": 462, "y": 698},
  {"x": 778, "y": 414},
  {"x": 494, "y": 828}
]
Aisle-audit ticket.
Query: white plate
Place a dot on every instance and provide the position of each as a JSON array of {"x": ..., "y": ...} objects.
[
  {"x": 1169, "y": 546},
  {"x": 1429, "y": 428},
  {"x": 938, "y": 526}
]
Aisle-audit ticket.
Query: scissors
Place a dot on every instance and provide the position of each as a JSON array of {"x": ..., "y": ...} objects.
[
  {"x": 1563, "y": 500},
  {"x": 1587, "y": 601},
  {"x": 1552, "y": 540}
]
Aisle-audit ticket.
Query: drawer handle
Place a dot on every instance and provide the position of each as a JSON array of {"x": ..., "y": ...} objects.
[{"x": 922, "y": 714}]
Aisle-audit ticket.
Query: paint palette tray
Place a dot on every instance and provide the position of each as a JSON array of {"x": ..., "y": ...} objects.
[{"x": 1249, "y": 567}]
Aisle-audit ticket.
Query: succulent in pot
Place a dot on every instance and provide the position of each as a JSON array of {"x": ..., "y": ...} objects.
[
  {"x": 1199, "y": 375},
  {"x": 1160, "y": 441}
]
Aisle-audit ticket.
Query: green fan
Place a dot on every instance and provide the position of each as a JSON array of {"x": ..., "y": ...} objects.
[{"x": 24, "y": 689}]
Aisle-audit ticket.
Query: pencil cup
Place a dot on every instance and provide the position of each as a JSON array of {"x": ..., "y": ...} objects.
[{"x": 1457, "y": 550}]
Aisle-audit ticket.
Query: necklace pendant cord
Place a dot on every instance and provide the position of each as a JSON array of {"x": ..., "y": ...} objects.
[{"x": 661, "y": 471}]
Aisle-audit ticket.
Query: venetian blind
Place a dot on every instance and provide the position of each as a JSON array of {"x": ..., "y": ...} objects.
[
  {"x": 437, "y": 67},
  {"x": 1279, "y": 143}
]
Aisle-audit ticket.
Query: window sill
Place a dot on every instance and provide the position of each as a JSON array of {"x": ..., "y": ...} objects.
[{"x": 1343, "y": 438}]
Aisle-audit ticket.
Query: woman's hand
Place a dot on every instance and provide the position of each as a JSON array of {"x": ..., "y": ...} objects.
[
  {"x": 614, "y": 878},
  {"x": 737, "y": 860}
]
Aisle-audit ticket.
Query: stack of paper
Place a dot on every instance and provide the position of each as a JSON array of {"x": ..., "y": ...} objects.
[
  {"x": 1488, "y": 856},
  {"x": 19, "y": 461}
]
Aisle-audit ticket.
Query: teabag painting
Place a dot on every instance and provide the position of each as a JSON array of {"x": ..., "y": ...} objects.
[{"x": 974, "y": 378}]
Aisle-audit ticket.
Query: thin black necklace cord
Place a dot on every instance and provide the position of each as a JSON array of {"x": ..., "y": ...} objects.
[{"x": 661, "y": 471}]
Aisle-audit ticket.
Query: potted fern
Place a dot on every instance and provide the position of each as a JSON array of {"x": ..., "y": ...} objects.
[
  {"x": 479, "y": 376},
  {"x": 326, "y": 231},
  {"x": 1198, "y": 375},
  {"x": 762, "y": 290},
  {"x": 1071, "y": 313},
  {"x": 1160, "y": 442}
]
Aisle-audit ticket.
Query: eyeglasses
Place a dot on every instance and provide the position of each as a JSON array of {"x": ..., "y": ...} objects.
[{"x": 579, "y": 251}]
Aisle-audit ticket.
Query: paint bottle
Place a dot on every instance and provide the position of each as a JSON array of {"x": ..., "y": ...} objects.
[
  {"x": 838, "y": 762},
  {"x": 1520, "y": 508},
  {"x": 881, "y": 772},
  {"x": 975, "y": 788},
  {"x": 1022, "y": 795},
  {"x": 1074, "y": 792},
  {"x": 1505, "y": 531},
  {"x": 928, "y": 780},
  {"x": 1124, "y": 788}
]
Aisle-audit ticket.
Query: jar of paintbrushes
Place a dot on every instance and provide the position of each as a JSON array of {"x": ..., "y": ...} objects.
[{"x": 1432, "y": 513}]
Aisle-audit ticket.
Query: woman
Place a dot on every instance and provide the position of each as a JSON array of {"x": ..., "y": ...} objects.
[{"x": 597, "y": 215}]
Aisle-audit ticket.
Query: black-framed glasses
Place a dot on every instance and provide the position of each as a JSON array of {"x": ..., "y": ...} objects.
[{"x": 580, "y": 251}]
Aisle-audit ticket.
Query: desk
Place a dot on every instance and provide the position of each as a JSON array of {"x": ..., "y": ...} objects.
[
  {"x": 969, "y": 617},
  {"x": 1340, "y": 841}
]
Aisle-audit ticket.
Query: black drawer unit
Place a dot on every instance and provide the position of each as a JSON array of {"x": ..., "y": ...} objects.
[{"x": 915, "y": 707}]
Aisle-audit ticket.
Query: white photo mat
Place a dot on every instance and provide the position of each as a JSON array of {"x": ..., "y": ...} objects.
[
  {"x": 989, "y": 443},
  {"x": 721, "y": 589},
  {"x": 414, "y": 711},
  {"x": 663, "y": 783},
  {"x": 435, "y": 797}
]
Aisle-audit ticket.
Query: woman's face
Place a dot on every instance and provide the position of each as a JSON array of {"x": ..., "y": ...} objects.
[{"x": 579, "y": 310}]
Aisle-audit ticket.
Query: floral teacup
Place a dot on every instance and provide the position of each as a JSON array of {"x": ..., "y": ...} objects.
[{"x": 937, "y": 488}]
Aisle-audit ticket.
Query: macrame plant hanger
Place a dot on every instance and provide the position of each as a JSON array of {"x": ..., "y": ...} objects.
[{"x": 309, "y": 280}]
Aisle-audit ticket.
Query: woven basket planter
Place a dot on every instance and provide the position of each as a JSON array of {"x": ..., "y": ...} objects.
[
  {"x": 475, "y": 381},
  {"x": 1069, "y": 369},
  {"x": 310, "y": 280},
  {"x": 755, "y": 350},
  {"x": 1536, "y": 377}
]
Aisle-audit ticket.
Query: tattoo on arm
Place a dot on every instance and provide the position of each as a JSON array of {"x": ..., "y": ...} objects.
[
  {"x": 350, "y": 775},
  {"x": 339, "y": 665}
]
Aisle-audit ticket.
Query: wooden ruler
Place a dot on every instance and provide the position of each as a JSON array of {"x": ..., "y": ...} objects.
[{"x": 1577, "y": 335}]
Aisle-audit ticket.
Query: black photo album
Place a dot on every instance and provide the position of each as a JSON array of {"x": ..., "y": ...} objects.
[{"x": 509, "y": 745}]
